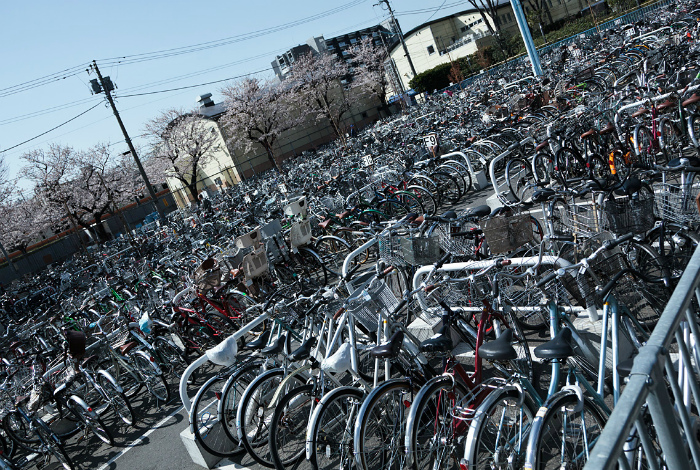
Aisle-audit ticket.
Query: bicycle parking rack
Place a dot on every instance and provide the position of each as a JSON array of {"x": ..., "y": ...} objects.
[{"x": 652, "y": 375}]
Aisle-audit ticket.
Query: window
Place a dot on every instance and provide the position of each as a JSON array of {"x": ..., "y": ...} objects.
[
  {"x": 331, "y": 47},
  {"x": 341, "y": 44},
  {"x": 431, "y": 50},
  {"x": 510, "y": 18},
  {"x": 345, "y": 53},
  {"x": 375, "y": 34},
  {"x": 463, "y": 29},
  {"x": 353, "y": 41}
]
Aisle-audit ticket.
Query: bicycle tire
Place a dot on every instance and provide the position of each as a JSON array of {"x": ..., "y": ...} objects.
[
  {"x": 117, "y": 400},
  {"x": 541, "y": 163},
  {"x": 231, "y": 397},
  {"x": 254, "y": 415},
  {"x": 393, "y": 209},
  {"x": 310, "y": 265},
  {"x": 19, "y": 431},
  {"x": 424, "y": 181},
  {"x": 171, "y": 358},
  {"x": 330, "y": 430},
  {"x": 91, "y": 420},
  {"x": 379, "y": 436},
  {"x": 520, "y": 179},
  {"x": 54, "y": 445},
  {"x": 205, "y": 421},
  {"x": 448, "y": 187},
  {"x": 427, "y": 429},
  {"x": 644, "y": 145},
  {"x": 287, "y": 438},
  {"x": 503, "y": 418},
  {"x": 675, "y": 244},
  {"x": 153, "y": 378},
  {"x": 411, "y": 201},
  {"x": 428, "y": 201},
  {"x": 671, "y": 142},
  {"x": 546, "y": 449},
  {"x": 453, "y": 171}
]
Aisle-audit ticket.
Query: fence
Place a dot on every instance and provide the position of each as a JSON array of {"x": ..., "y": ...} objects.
[{"x": 655, "y": 373}]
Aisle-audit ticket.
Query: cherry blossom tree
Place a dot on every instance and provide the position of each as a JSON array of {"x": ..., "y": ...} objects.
[
  {"x": 316, "y": 80},
  {"x": 24, "y": 221},
  {"x": 85, "y": 186},
  {"x": 183, "y": 143},
  {"x": 258, "y": 112},
  {"x": 370, "y": 74}
]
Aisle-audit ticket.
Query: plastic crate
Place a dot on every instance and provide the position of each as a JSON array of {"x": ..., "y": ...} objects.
[
  {"x": 300, "y": 234},
  {"x": 255, "y": 264},
  {"x": 296, "y": 209},
  {"x": 250, "y": 239}
]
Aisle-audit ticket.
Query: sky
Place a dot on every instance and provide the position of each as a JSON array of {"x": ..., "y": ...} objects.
[{"x": 147, "y": 47}]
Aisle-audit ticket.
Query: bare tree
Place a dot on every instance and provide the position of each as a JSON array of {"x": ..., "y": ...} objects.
[
  {"x": 259, "y": 111},
  {"x": 182, "y": 144},
  {"x": 370, "y": 74},
  {"x": 488, "y": 9},
  {"x": 316, "y": 80}
]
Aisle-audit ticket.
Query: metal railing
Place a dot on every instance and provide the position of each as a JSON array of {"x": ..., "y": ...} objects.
[{"x": 661, "y": 393}]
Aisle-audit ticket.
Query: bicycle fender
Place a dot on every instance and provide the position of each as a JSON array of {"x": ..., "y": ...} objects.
[
  {"x": 150, "y": 361},
  {"x": 80, "y": 402},
  {"x": 450, "y": 380},
  {"x": 480, "y": 416},
  {"x": 284, "y": 382},
  {"x": 109, "y": 377},
  {"x": 311, "y": 426},
  {"x": 538, "y": 422}
]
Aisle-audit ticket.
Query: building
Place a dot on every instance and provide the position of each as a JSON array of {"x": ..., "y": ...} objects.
[
  {"x": 382, "y": 35},
  {"x": 457, "y": 35}
]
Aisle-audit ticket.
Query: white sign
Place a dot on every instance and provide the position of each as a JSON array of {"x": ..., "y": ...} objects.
[
  {"x": 367, "y": 161},
  {"x": 246, "y": 198},
  {"x": 431, "y": 141},
  {"x": 629, "y": 33},
  {"x": 283, "y": 188},
  {"x": 462, "y": 95}
]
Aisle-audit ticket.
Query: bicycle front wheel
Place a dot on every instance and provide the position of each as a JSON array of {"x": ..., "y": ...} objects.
[
  {"x": 567, "y": 435},
  {"x": 152, "y": 378},
  {"x": 205, "y": 419},
  {"x": 437, "y": 425},
  {"x": 117, "y": 400},
  {"x": 53, "y": 447},
  {"x": 288, "y": 428},
  {"x": 380, "y": 428},
  {"x": 91, "y": 420}
]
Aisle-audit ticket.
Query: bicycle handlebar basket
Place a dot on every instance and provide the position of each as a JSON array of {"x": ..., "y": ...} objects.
[
  {"x": 207, "y": 275},
  {"x": 366, "y": 304},
  {"x": 412, "y": 251},
  {"x": 631, "y": 214},
  {"x": 676, "y": 203},
  {"x": 504, "y": 234}
]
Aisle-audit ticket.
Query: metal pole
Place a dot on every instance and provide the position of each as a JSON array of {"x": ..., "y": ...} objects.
[
  {"x": 403, "y": 43},
  {"x": 527, "y": 37},
  {"x": 128, "y": 142}
]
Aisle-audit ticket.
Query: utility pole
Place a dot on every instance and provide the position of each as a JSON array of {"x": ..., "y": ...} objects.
[
  {"x": 397, "y": 28},
  {"x": 108, "y": 92}
]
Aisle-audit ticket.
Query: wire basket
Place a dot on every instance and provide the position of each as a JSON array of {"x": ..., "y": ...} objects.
[
  {"x": 504, "y": 234},
  {"x": 605, "y": 267},
  {"x": 583, "y": 219},
  {"x": 456, "y": 239},
  {"x": 119, "y": 337},
  {"x": 367, "y": 304},
  {"x": 390, "y": 250},
  {"x": 419, "y": 251},
  {"x": 282, "y": 312},
  {"x": 676, "y": 203},
  {"x": 630, "y": 214}
]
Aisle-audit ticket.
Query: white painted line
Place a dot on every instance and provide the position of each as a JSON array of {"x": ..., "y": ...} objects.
[
  {"x": 226, "y": 464},
  {"x": 133, "y": 443}
]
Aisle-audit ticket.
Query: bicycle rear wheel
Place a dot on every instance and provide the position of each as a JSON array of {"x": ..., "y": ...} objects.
[
  {"x": 288, "y": 429},
  {"x": 205, "y": 419}
]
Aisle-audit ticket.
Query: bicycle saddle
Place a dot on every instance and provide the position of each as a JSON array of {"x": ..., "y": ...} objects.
[
  {"x": 260, "y": 342},
  {"x": 127, "y": 347},
  {"x": 629, "y": 187},
  {"x": 692, "y": 161},
  {"x": 479, "y": 211},
  {"x": 499, "y": 349},
  {"x": 692, "y": 100},
  {"x": 607, "y": 129},
  {"x": 389, "y": 349},
  {"x": 542, "y": 145},
  {"x": 276, "y": 346},
  {"x": 440, "y": 343},
  {"x": 624, "y": 368},
  {"x": 557, "y": 348},
  {"x": 303, "y": 351},
  {"x": 542, "y": 194},
  {"x": 449, "y": 215}
]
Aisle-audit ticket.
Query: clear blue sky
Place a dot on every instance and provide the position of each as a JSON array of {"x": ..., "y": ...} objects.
[{"x": 38, "y": 39}]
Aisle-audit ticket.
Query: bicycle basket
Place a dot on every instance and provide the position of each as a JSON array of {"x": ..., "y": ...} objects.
[
  {"x": 365, "y": 305},
  {"x": 455, "y": 239},
  {"x": 419, "y": 251},
  {"x": 676, "y": 203},
  {"x": 582, "y": 219},
  {"x": 630, "y": 214},
  {"x": 282, "y": 312},
  {"x": 505, "y": 234},
  {"x": 207, "y": 275}
]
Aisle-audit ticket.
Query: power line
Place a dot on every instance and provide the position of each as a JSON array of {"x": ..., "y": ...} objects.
[
  {"x": 436, "y": 10},
  {"x": 194, "y": 86},
  {"x": 41, "y": 112},
  {"x": 134, "y": 58},
  {"x": 37, "y": 82},
  {"x": 52, "y": 129}
]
